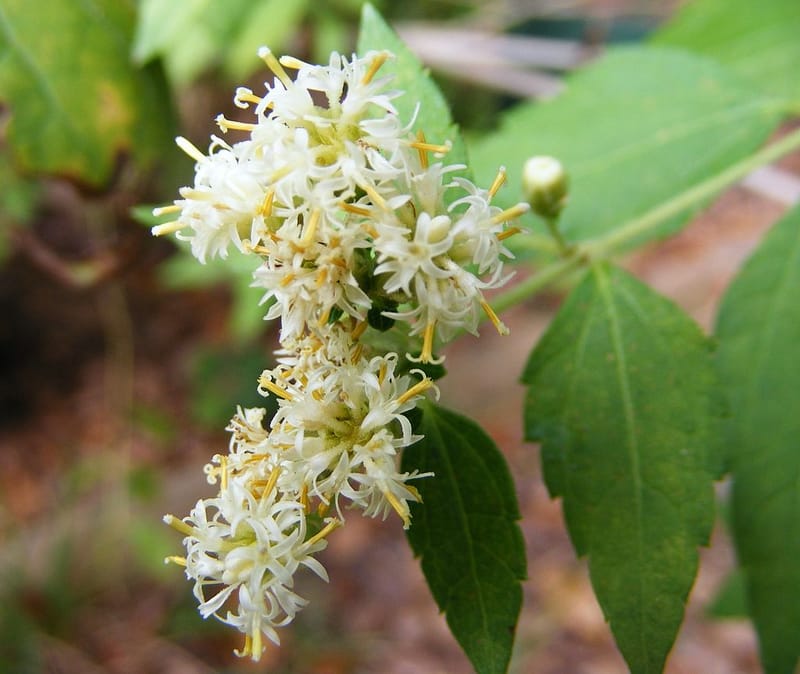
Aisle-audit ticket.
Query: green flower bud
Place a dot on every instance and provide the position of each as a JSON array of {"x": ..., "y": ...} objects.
[{"x": 545, "y": 184}]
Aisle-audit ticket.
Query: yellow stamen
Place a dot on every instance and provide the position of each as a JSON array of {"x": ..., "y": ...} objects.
[
  {"x": 417, "y": 389},
  {"x": 304, "y": 497},
  {"x": 273, "y": 388},
  {"x": 179, "y": 525},
  {"x": 507, "y": 233},
  {"x": 292, "y": 62},
  {"x": 498, "y": 324},
  {"x": 311, "y": 228},
  {"x": 427, "y": 343},
  {"x": 431, "y": 147},
  {"x": 271, "y": 482},
  {"x": 286, "y": 280},
  {"x": 374, "y": 67},
  {"x": 189, "y": 148},
  {"x": 511, "y": 213},
  {"x": 323, "y": 319},
  {"x": 423, "y": 154},
  {"x": 382, "y": 373},
  {"x": 322, "y": 275},
  {"x": 274, "y": 65},
  {"x": 223, "y": 473},
  {"x": 499, "y": 180},
  {"x": 266, "y": 206},
  {"x": 168, "y": 228},
  {"x": 330, "y": 526},
  {"x": 377, "y": 199},
  {"x": 244, "y": 96},
  {"x": 357, "y": 351},
  {"x": 163, "y": 210},
  {"x": 357, "y": 210},
  {"x": 227, "y": 124},
  {"x": 400, "y": 508},
  {"x": 323, "y": 508},
  {"x": 359, "y": 330},
  {"x": 261, "y": 250},
  {"x": 174, "y": 559}
]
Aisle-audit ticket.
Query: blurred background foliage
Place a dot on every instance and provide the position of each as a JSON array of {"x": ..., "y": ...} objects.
[{"x": 121, "y": 356}]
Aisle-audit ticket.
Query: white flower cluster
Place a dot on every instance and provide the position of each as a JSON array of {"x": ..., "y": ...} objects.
[{"x": 355, "y": 228}]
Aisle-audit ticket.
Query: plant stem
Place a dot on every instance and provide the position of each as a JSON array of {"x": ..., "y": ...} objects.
[{"x": 606, "y": 246}]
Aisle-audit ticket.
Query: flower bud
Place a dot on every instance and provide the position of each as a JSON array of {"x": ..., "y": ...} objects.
[{"x": 545, "y": 185}]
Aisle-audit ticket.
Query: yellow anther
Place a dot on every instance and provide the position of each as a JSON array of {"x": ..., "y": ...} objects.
[
  {"x": 304, "y": 497},
  {"x": 310, "y": 229},
  {"x": 231, "y": 124},
  {"x": 292, "y": 62},
  {"x": 358, "y": 350},
  {"x": 356, "y": 210},
  {"x": 245, "y": 96},
  {"x": 507, "y": 233},
  {"x": 272, "y": 387},
  {"x": 174, "y": 559},
  {"x": 286, "y": 280},
  {"x": 223, "y": 473},
  {"x": 266, "y": 205},
  {"x": 498, "y": 324},
  {"x": 323, "y": 508},
  {"x": 163, "y": 210},
  {"x": 400, "y": 508},
  {"x": 374, "y": 67},
  {"x": 499, "y": 180},
  {"x": 427, "y": 343},
  {"x": 168, "y": 228},
  {"x": 330, "y": 526},
  {"x": 376, "y": 198},
  {"x": 382, "y": 373},
  {"x": 266, "y": 55},
  {"x": 271, "y": 482},
  {"x": 323, "y": 319},
  {"x": 189, "y": 148},
  {"x": 322, "y": 275},
  {"x": 179, "y": 525},
  {"x": 359, "y": 330},
  {"x": 511, "y": 213},
  {"x": 431, "y": 147},
  {"x": 423, "y": 154},
  {"x": 417, "y": 389}
]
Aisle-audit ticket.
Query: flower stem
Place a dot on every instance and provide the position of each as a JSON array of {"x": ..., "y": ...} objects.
[{"x": 611, "y": 243}]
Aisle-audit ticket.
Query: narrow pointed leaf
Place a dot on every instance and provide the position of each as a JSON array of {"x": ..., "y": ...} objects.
[
  {"x": 76, "y": 101},
  {"x": 434, "y": 117},
  {"x": 620, "y": 395},
  {"x": 759, "y": 360},
  {"x": 633, "y": 129},
  {"x": 465, "y": 533}
]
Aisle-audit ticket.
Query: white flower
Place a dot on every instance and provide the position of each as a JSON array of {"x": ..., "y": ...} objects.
[{"x": 243, "y": 548}]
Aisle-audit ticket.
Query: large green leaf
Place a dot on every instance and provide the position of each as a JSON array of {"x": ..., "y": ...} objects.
[
  {"x": 759, "y": 359},
  {"x": 757, "y": 39},
  {"x": 75, "y": 99},
  {"x": 434, "y": 117},
  {"x": 466, "y": 534},
  {"x": 620, "y": 393},
  {"x": 633, "y": 130}
]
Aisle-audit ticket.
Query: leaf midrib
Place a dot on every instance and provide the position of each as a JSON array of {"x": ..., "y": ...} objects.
[{"x": 632, "y": 444}]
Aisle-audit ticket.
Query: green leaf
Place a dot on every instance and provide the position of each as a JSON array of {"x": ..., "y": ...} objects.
[
  {"x": 620, "y": 393},
  {"x": 759, "y": 361},
  {"x": 434, "y": 117},
  {"x": 466, "y": 535},
  {"x": 633, "y": 129},
  {"x": 757, "y": 39},
  {"x": 76, "y": 101}
]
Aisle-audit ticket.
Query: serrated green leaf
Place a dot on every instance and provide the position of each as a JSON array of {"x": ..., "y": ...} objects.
[
  {"x": 434, "y": 117},
  {"x": 757, "y": 39},
  {"x": 75, "y": 99},
  {"x": 621, "y": 395},
  {"x": 271, "y": 23},
  {"x": 759, "y": 361},
  {"x": 466, "y": 535},
  {"x": 633, "y": 129}
]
